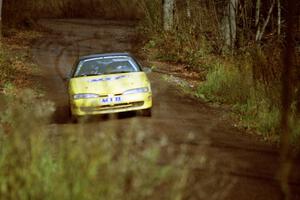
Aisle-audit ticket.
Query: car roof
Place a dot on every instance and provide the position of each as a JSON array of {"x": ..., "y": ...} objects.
[{"x": 103, "y": 55}]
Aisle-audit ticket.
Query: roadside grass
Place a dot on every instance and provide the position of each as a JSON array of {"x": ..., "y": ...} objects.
[
  {"x": 251, "y": 105},
  {"x": 233, "y": 86},
  {"x": 78, "y": 166},
  {"x": 248, "y": 79},
  {"x": 37, "y": 162},
  {"x": 228, "y": 81}
]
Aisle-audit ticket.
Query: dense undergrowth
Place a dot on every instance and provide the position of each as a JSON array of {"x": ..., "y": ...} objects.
[
  {"x": 36, "y": 164},
  {"x": 39, "y": 162},
  {"x": 247, "y": 77}
]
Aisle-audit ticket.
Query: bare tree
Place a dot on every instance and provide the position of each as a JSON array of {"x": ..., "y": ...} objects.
[
  {"x": 168, "y": 11},
  {"x": 278, "y": 18},
  {"x": 1, "y": 2},
  {"x": 229, "y": 27},
  {"x": 261, "y": 30},
  {"x": 188, "y": 9},
  {"x": 257, "y": 12}
]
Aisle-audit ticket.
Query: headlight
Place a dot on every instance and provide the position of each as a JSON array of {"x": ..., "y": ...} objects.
[
  {"x": 85, "y": 96},
  {"x": 137, "y": 90}
]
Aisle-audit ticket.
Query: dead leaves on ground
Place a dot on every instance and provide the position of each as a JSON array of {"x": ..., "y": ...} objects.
[{"x": 16, "y": 66}]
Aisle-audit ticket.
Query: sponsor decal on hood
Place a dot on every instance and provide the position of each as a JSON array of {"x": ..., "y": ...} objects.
[{"x": 107, "y": 79}]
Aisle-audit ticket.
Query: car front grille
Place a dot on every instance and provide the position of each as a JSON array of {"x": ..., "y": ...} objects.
[{"x": 113, "y": 107}]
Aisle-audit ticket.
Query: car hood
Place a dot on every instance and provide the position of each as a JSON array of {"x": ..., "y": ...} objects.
[{"x": 108, "y": 84}]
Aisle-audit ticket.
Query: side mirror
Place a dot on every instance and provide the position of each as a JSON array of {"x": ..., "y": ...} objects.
[{"x": 147, "y": 70}]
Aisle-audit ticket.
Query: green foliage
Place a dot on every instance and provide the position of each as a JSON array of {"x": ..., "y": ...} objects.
[
  {"x": 256, "y": 104},
  {"x": 227, "y": 85},
  {"x": 35, "y": 164},
  {"x": 250, "y": 81},
  {"x": 43, "y": 161},
  {"x": 259, "y": 115}
]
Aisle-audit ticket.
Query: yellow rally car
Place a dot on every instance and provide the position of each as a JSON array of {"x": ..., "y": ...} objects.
[{"x": 108, "y": 83}]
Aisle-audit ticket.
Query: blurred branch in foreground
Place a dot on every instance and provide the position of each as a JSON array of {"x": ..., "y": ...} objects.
[{"x": 288, "y": 64}]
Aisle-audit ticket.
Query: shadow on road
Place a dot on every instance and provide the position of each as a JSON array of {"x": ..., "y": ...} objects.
[{"x": 62, "y": 116}]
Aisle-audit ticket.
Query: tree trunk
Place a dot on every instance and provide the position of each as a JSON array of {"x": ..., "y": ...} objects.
[
  {"x": 168, "y": 10},
  {"x": 188, "y": 9},
  {"x": 278, "y": 18},
  {"x": 257, "y": 12},
  {"x": 229, "y": 27},
  {"x": 286, "y": 95},
  {"x": 1, "y": 2},
  {"x": 260, "y": 31}
]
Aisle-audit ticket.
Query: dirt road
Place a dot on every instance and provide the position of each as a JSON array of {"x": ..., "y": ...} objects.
[{"x": 239, "y": 160}]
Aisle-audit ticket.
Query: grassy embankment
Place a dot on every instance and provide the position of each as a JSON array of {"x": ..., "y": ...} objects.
[{"x": 247, "y": 78}]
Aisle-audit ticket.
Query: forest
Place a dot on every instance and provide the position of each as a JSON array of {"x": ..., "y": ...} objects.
[
  {"x": 238, "y": 44},
  {"x": 237, "y": 54}
]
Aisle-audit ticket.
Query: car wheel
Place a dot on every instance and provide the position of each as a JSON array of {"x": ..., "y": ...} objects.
[
  {"x": 73, "y": 118},
  {"x": 147, "y": 112},
  {"x": 78, "y": 119}
]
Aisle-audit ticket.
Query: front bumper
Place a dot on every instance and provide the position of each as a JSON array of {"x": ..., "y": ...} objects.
[{"x": 95, "y": 106}]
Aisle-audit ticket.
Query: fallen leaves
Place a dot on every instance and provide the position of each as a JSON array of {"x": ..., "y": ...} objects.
[{"x": 16, "y": 66}]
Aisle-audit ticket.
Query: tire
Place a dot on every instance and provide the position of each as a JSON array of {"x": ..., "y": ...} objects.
[
  {"x": 78, "y": 119},
  {"x": 146, "y": 112},
  {"x": 73, "y": 119}
]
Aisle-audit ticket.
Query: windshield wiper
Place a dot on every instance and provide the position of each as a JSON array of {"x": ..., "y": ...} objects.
[
  {"x": 118, "y": 72},
  {"x": 89, "y": 75}
]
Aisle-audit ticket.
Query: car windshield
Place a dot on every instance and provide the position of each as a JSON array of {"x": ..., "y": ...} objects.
[{"x": 106, "y": 65}]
